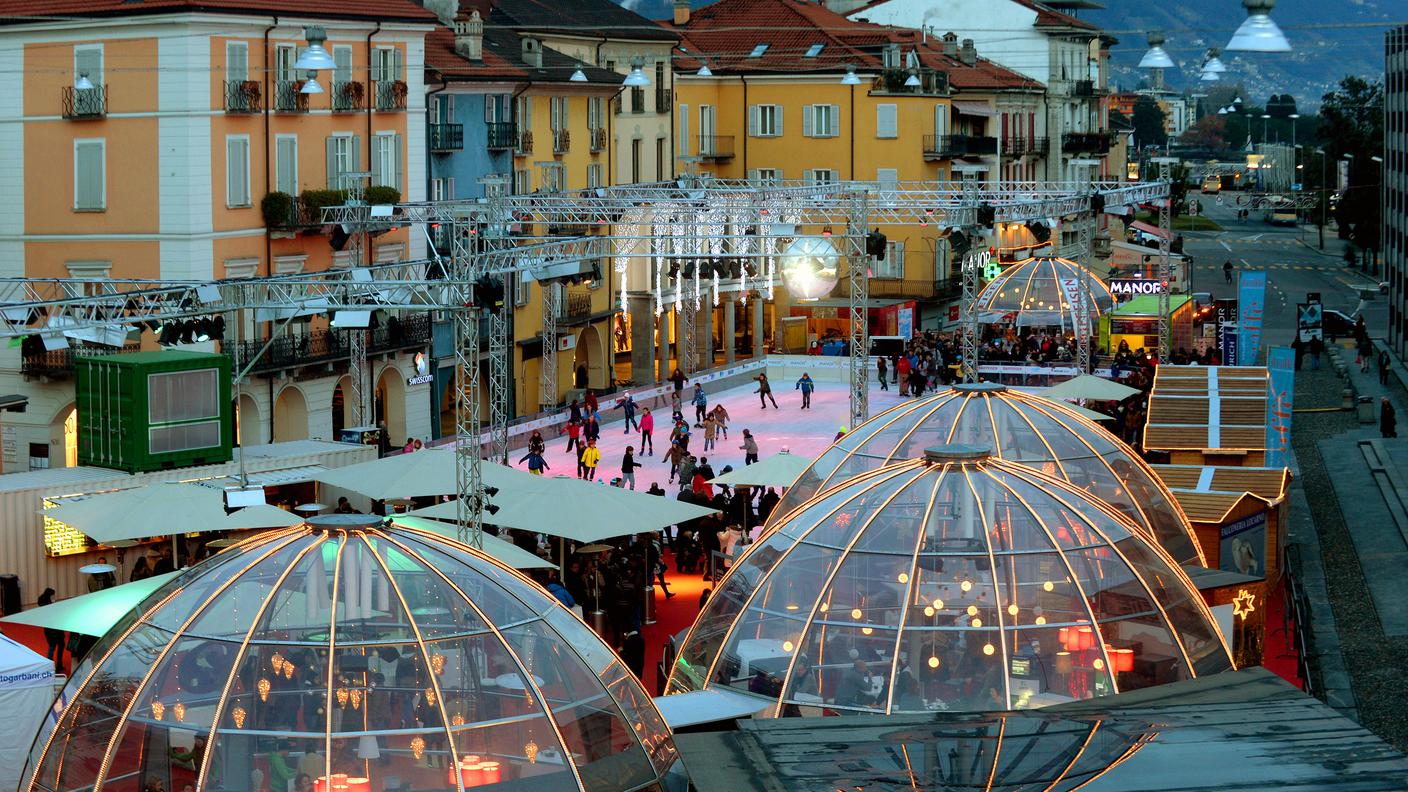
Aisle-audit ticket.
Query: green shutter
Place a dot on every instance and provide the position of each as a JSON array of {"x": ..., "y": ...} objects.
[{"x": 332, "y": 162}]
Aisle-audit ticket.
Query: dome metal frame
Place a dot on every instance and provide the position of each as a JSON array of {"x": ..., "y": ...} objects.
[
  {"x": 523, "y": 631},
  {"x": 1044, "y": 274}
]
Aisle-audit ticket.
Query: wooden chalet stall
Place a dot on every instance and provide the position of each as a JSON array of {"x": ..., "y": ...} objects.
[{"x": 1208, "y": 415}]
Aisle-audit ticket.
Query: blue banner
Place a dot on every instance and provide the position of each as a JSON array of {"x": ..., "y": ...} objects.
[
  {"x": 1251, "y": 292},
  {"x": 1281, "y": 361},
  {"x": 1229, "y": 343}
]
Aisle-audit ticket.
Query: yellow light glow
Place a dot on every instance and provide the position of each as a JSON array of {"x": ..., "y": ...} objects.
[
  {"x": 530, "y": 750},
  {"x": 903, "y": 577},
  {"x": 792, "y": 606},
  {"x": 1012, "y": 610},
  {"x": 866, "y": 631},
  {"x": 928, "y": 611},
  {"x": 342, "y": 697},
  {"x": 825, "y": 607},
  {"x": 786, "y": 646},
  {"x": 288, "y": 670},
  {"x": 933, "y": 662},
  {"x": 430, "y": 696},
  {"x": 855, "y": 613},
  {"x": 1243, "y": 604},
  {"x": 938, "y": 604},
  {"x": 1048, "y": 586},
  {"x": 263, "y": 687},
  {"x": 276, "y": 662},
  {"x": 437, "y": 663},
  {"x": 179, "y": 711},
  {"x": 158, "y": 710},
  {"x": 457, "y": 719},
  {"x": 972, "y": 610},
  {"x": 356, "y": 696},
  {"x": 238, "y": 715},
  {"x": 988, "y": 649},
  {"x": 1098, "y": 664},
  {"x": 966, "y": 585},
  {"x": 417, "y": 747},
  {"x": 977, "y": 622},
  {"x": 1041, "y": 620}
]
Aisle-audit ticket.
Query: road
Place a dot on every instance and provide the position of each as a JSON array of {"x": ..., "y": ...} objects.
[{"x": 1292, "y": 261}]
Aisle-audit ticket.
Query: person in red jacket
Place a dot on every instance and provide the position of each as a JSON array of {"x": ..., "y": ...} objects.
[
  {"x": 647, "y": 428},
  {"x": 902, "y": 375}
]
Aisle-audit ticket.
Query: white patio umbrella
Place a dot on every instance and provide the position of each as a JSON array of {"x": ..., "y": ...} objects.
[
  {"x": 1079, "y": 410},
  {"x": 152, "y": 510},
  {"x": 261, "y": 516},
  {"x": 778, "y": 470},
  {"x": 507, "y": 552},
  {"x": 91, "y": 614},
  {"x": 1090, "y": 388},
  {"x": 418, "y": 474}
]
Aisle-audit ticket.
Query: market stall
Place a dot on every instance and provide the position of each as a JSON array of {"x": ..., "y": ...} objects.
[
  {"x": 1208, "y": 415},
  {"x": 1135, "y": 323}
]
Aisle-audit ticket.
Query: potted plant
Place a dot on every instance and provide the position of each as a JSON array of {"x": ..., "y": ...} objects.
[
  {"x": 279, "y": 210},
  {"x": 353, "y": 93}
]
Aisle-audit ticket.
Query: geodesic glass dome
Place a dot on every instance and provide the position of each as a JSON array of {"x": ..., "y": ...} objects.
[
  {"x": 1019, "y": 427},
  {"x": 952, "y": 582},
  {"x": 369, "y": 658},
  {"x": 1032, "y": 293}
]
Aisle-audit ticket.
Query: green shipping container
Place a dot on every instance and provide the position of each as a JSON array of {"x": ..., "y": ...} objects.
[{"x": 146, "y": 411}]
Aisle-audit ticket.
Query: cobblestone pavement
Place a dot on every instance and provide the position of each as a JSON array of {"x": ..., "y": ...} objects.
[{"x": 1377, "y": 664}]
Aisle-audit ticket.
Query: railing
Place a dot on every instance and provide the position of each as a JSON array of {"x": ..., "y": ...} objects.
[
  {"x": 1038, "y": 146},
  {"x": 598, "y": 136},
  {"x": 561, "y": 141},
  {"x": 525, "y": 143},
  {"x": 637, "y": 99},
  {"x": 242, "y": 96},
  {"x": 1083, "y": 88},
  {"x": 1014, "y": 146},
  {"x": 446, "y": 137},
  {"x": 577, "y": 307},
  {"x": 1093, "y": 142},
  {"x": 664, "y": 99},
  {"x": 347, "y": 96},
  {"x": 288, "y": 98},
  {"x": 391, "y": 95},
  {"x": 716, "y": 147},
  {"x": 324, "y": 346},
  {"x": 85, "y": 102},
  {"x": 931, "y": 82},
  {"x": 502, "y": 134},
  {"x": 958, "y": 146},
  {"x": 58, "y": 363}
]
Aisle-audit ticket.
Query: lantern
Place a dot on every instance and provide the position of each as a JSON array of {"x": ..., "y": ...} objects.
[
  {"x": 158, "y": 710},
  {"x": 263, "y": 687},
  {"x": 417, "y": 747},
  {"x": 811, "y": 266},
  {"x": 238, "y": 715}
]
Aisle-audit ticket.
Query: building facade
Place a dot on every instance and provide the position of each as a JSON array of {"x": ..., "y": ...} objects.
[
  {"x": 177, "y": 143},
  {"x": 1395, "y": 195}
]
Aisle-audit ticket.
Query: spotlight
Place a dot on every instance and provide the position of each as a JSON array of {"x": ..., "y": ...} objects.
[
  {"x": 987, "y": 214},
  {"x": 216, "y": 330},
  {"x": 1038, "y": 230},
  {"x": 491, "y": 491},
  {"x": 490, "y": 508},
  {"x": 959, "y": 243}
]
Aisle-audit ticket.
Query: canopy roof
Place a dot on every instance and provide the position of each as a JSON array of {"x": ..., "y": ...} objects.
[
  {"x": 956, "y": 582},
  {"x": 506, "y": 552},
  {"x": 1039, "y": 292},
  {"x": 1090, "y": 387},
  {"x": 1019, "y": 427},
  {"x": 778, "y": 470},
  {"x": 151, "y": 510},
  {"x": 419, "y": 474},
  {"x": 416, "y": 649},
  {"x": 94, "y": 613}
]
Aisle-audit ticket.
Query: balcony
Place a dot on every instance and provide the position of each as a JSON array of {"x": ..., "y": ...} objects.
[
  {"x": 931, "y": 83},
  {"x": 288, "y": 98},
  {"x": 1084, "y": 88},
  {"x": 637, "y": 99},
  {"x": 390, "y": 95},
  {"x": 242, "y": 96},
  {"x": 1038, "y": 146},
  {"x": 56, "y": 364},
  {"x": 575, "y": 307},
  {"x": 347, "y": 96},
  {"x": 945, "y": 146},
  {"x": 716, "y": 148},
  {"x": 79, "y": 103},
  {"x": 899, "y": 288},
  {"x": 328, "y": 346},
  {"x": 664, "y": 99},
  {"x": 561, "y": 141},
  {"x": 446, "y": 137},
  {"x": 1014, "y": 146},
  {"x": 1086, "y": 142},
  {"x": 598, "y": 137},
  {"x": 524, "y": 147},
  {"x": 503, "y": 135}
]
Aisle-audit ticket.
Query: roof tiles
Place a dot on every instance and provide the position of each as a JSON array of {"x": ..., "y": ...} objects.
[{"x": 20, "y": 11}]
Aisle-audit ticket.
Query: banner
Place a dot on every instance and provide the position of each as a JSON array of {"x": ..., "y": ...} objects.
[
  {"x": 1281, "y": 361},
  {"x": 1251, "y": 293},
  {"x": 1309, "y": 321},
  {"x": 1226, "y": 315},
  {"x": 1227, "y": 334},
  {"x": 905, "y": 320},
  {"x": 1242, "y": 546}
]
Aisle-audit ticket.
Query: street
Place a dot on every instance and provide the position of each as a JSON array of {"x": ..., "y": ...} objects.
[{"x": 1292, "y": 261}]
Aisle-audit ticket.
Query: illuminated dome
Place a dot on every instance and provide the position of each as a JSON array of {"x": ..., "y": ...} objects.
[
  {"x": 382, "y": 658},
  {"x": 1030, "y": 293},
  {"x": 1041, "y": 433},
  {"x": 952, "y": 582}
]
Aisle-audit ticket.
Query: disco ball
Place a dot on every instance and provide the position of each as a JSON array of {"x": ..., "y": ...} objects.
[{"x": 810, "y": 267}]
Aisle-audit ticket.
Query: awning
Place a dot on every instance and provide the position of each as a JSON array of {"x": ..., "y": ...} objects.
[
  {"x": 421, "y": 474},
  {"x": 1140, "y": 225},
  {"x": 95, "y": 613},
  {"x": 981, "y": 109},
  {"x": 269, "y": 478},
  {"x": 141, "y": 512},
  {"x": 1090, "y": 387},
  {"x": 778, "y": 470}
]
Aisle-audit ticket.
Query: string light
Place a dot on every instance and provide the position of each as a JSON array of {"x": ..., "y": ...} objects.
[
  {"x": 263, "y": 687},
  {"x": 417, "y": 747},
  {"x": 158, "y": 710},
  {"x": 178, "y": 710},
  {"x": 238, "y": 715},
  {"x": 530, "y": 750}
]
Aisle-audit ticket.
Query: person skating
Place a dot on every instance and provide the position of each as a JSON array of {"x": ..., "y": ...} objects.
[
  {"x": 674, "y": 457},
  {"x": 1388, "y": 419},
  {"x": 750, "y": 448},
  {"x": 590, "y": 457},
  {"x": 701, "y": 404},
  {"x": 679, "y": 379},
  {"x": 536, "y": 463},
  {"x": 589, "y": 403},
  {"x": 880, "y": 371},
  {"x": 647, "y": 431},
  {"x": 536, "y": 443},
  {"x": 721, "y": 415},
  {"x": 711, "y": 429},
  {"x": 628, "y": 410},
  {"x": 629, "y": 465},
  {"x": 574, "y": 434},
  {"x": 686, "y": 471},
  {"x": 806, "y": 386},
  {"x": 902, "y": 375},
  {"x": 765, "y": 392}
]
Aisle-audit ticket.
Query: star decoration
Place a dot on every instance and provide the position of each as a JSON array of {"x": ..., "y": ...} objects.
[{"x": 1243, "y": 604}]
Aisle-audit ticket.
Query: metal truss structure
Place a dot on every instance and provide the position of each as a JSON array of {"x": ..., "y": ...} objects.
[
  {"x": 1165, "y": 266},
  {"x": 1085, "y": 226}
]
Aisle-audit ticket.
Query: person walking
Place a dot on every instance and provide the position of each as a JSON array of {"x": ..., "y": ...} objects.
[
  {"x": 806, "y": 386},
  {"x": 711, "y": 428},
  {"x": 880, "y": 371},
  {"x": 1384, "y": 365},
  {"x": 701, "y": 404},
  {"x": 1366, "y": 351},
  {"x": 590, "y": 457},
  {"x": 679, "y": 379},
  {"x": 647, "y": 430},
  {"x": 628, "y": 466},
  {"x": 750, "y": 448},
  {"x": 628, "y": 411},
  {"x": 574, "y": 434},
  {"x": 1388, "y": 419},
  {"x": 1227, "y": 270},
  {"x": 1316, "y": 349},
  {"x": 54, "y": 638},
  {"x": 721, "y": 415},
  {"x": 536, "y": 463},
  {"x": 765, "y": 392},
  {"x": 902, "y": 375}
]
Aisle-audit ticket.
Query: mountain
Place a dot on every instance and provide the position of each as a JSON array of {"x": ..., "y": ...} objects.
[{"x": 1330, "y": 39}]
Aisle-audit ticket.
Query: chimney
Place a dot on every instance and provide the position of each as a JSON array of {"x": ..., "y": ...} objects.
[
  {"x": 681, "y": 12},
  {"x": 969, "y": 53},
  {"x": 469, "y": 36},
  {"x": 532, "y": 52},
  {"x": 951, "y": 44}
]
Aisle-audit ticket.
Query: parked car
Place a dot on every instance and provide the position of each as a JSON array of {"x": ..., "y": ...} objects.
[{"x": 1336, "y": 324}]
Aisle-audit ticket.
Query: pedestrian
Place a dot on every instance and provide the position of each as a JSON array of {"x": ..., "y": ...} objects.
[
  {"x": 590, "y": 457},
  {"x": 574, "y": 434},
  {"x": 1388, "y": 419},
  {"x": 633, "y": 652},
  {"x": 629, "y": 465},
  {"x": 750, "y": 448},
  {"x": 711, "y": 428},
  {"x": 902, "y": 375},
  {"x": 701, "y": 404},
  {"x": 647, "y": 430},
  {"x": 408, "y": 447},
  {"x": 628, "y": 410},
  {"x": 592, "y": 428},
  {"x": 1227, "y": 270},
  {"x": 881, "y": 371},
  {"x": 806, "y": 386},
  {"x": 1366, "y": 351},
  {"x": 54, "y": 638},
  {"x": 1384, "y": 365},
  {"x": 142, "y": 569},
  {"x": 686, "y": 472},
  {"x": 1317, "y": 348},
  {"x": 721, "y": 415},
  {"x": 536, "y": 463},
  {"x": 1298, "y": 346},
  {"x": 101, "y": 580},
  {"x": 589, "y": 404},
  {"x": 765, "y": 392},
  {"x": 679, "y": 379}
]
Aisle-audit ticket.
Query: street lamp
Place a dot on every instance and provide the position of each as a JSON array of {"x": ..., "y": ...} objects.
[
  {"x": 637, "y": 78},
  {"x": 1265, "y": 118},
  {"x": 1257, "y": 32},
  {"x": 315, "y": 58},
  {"x": 851, "y": 77},
  {"x": 1156, "y": 57}
]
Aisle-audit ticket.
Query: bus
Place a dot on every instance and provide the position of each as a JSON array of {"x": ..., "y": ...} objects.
[
  {"x": 1212, "y": 184},
  {"x": 1280, "y": 212}
]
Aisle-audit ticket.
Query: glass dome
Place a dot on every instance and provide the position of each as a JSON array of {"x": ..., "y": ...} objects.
[
  {"x": 1019, "y": 427},
  {"x": 1030, "y": 293},
  {"x": 367, "y": 657},
  {"x": 952, "y": 582}
]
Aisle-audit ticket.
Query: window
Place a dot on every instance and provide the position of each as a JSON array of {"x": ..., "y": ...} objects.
[
  {"x": 684, "y": 130},
  {"x": 765, "y": 120},
  {"x": 822, "y": 176},
  {"x": 237, "y": 171},
  {"x": 893, "y": 265},
  {"x": 660, "y": 158},
  {"x": 386, "y": 160},
  {"x": 522, "y": 182},
  {"x": 554, "y": 177},
  {"x": 596, "y": 112},
  {"x": 765, "y": 175},
  {"x": 814, "y": 50},
  {"x": 386, "y": 64},
  {"x": 236, "y": 61},
  {"x": 88, "y": 60},
  {"x": 442, "y": 189},
  {"x": 890, "y": 56},
  {"x": 522, "y": 287},
  {"x": 557, "y": 112},
  {"x": 940, "y": 119},
  {"x": 183, "y": 396},
  {"x": 442, "y": 109},
  {"x": 635, "y": 161},
  {"x": 90, "y": 190},
  {"x": 38, "y": 456},
  {"x": 284, "y": 58},
  {"x": 594, "y": 175},
  {"x": 821, "y": 120},
  {"x": 241, "y": 267},
  {"x": 495, "y": 186},
  {"x": 343, "y": 157},
  {"x": 342, "y": 64},
  {"x": 86, "y": 270},
  {"x": 887, "y": 121},
  {"x": 758, "y": 51},
  {"x": 887, "y": 177}
]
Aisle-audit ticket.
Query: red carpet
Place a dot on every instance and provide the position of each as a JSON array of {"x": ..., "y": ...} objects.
[
  {"x": 1280, "y": 656},
  {"x": 671, "y": 616}
]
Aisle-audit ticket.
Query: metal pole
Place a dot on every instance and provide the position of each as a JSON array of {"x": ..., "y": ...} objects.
[
  {"x": 547, "y": 373},
  {"x": 1165, "y": 265},
  {"x": 971, "y": 268},
  {"x": 1086, "y": 228},
  {"x": 469, "y": 476},
  {"x": 858, "y": 268}
]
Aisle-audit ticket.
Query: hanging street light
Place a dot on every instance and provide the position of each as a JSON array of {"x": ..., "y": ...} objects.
[
  {"x": 703, "y": 69},
  {"x": 1156, "y": 57},
  {"x": 315, "y": 57},
  {"x": 637, "y": 78},
  {"x": 851, "y": 77},
  {"x": 578, "y": 76},
  {"x": 1258, "y": 32},
  {"x": 83, "y": 83}
]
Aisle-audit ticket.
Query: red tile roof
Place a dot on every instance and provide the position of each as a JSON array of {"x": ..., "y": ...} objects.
[
  {"x": 21, "y": 11},
  {"x": 1045, "y": 16},
  {"x": 502, "y": 60}
]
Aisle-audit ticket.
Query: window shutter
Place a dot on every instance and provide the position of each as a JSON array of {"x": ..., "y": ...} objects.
[
  {"x": 396, "y": 70},
  {"x": 777, "y": 120},
  {"x": 811, "y": 177},
  {"x": 835, "y": 121},
  {"x": 449, "y": 108},
  {"x": 332, "y": 162},
  {"x": 379, "y": 143},
  {"x": 752, "y": 174},
  {"x": 490, "y": 106},
  {"x": 396, "y": 164},
  {"x": 886, "y": 121},
  {"x": 685, "y": 147},
  {"x": 88, "y": 186},
  {"x": 356, "y": 159},
  {"x": 887, "y": 177},
  {"x": 236, "y": 61},
  {"x": 285, "y": 165},
  {"x": 940, "y": 120},
  {"x": 807, "y": 122},
  {"x": 342, "y": 64},
  {"x": 752, "y": 121},
  {"x": 89, "y": 61}
]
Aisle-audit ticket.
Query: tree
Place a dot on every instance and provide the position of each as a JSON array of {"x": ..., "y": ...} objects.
[
  {"x": 1209, "y": 133},
  {"x": 1282, "y": 106},
  {"x": 1148, "y": 122},
  {"x": 1352, "y": 125}
]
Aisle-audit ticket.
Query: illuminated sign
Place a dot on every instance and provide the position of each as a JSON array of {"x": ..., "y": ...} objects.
[
  {"x": 60, "y": 538},
  {"x": 1243, "y": 604},
  {"x": 1131, "y": 287}
]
